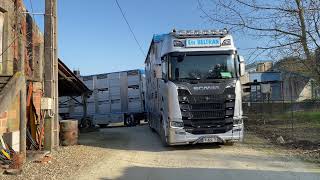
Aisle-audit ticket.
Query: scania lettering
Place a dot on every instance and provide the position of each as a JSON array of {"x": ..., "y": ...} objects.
[
  {"x": 205, "y": 88},
  {"x": 193, "y": 87}
]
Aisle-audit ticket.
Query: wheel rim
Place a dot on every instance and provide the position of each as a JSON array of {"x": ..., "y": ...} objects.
[
  {"x": 129, "y": 121},
  {"x": 86, "y": 123}
]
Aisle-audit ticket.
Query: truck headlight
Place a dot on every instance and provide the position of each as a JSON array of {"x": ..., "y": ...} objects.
[
  {"x": 176, "y": 124},
  {"x": 231, "y": 85}
]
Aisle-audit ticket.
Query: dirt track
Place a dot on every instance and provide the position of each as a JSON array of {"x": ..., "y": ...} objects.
[{"x": 136, "y": 153}]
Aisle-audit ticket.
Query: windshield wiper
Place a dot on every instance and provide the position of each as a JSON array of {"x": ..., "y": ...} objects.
[
  {"x": 190, "y": 80},
  {"x": 218, "y": 77},
  {"x": 194, "y": 80}
]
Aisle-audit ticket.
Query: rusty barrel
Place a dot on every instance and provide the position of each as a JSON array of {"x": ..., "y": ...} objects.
[{"x": 69, "y": 132}]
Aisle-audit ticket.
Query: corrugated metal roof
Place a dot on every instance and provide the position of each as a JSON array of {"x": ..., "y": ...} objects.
[{"x": 69, "y": 83}]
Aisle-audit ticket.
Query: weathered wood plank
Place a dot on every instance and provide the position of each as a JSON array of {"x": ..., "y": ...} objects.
[
  {"x": 4, "y": 80},
  {"x": 2, "y": 86}
]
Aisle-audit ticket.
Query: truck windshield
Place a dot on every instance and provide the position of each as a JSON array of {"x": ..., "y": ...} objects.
[{"x": 201, "y": 67}]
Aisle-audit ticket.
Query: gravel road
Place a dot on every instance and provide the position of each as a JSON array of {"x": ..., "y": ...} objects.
[{"x": 136, "y": 153}]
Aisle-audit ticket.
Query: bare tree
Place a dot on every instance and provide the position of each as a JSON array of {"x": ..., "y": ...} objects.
[{"x": 288, "y": 27}]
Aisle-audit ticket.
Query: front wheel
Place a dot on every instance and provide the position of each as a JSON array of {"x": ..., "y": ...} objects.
[
  {"x": 163, "y": 136},
  {"x": 228, "y": 143}
]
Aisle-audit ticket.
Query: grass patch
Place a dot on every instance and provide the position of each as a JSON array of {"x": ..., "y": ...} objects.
[{"x": 300, "y": 116}]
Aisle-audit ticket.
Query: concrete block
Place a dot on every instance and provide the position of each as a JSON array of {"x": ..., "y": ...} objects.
[{"x": 13, "y": 139}]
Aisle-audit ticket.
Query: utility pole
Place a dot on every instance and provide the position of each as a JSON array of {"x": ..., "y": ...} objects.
[
  {"x": 51, "y": 139},
  {"x": 21, "y": 69}
]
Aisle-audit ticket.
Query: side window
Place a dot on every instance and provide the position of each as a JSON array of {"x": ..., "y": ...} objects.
[
  {"x": 1, "y": 38},
  {"x": 164, "y": 66}
]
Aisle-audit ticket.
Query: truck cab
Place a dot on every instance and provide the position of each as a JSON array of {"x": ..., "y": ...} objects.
[{"x": 198, "y": 87}]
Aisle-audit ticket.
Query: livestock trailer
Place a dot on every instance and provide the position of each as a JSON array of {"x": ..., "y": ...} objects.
[{"x": 117, "y": 97}]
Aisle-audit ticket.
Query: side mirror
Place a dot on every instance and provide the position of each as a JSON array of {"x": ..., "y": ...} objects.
[
  {"x": 158, "y": 72},
  {"x": 242, "y": 66}
]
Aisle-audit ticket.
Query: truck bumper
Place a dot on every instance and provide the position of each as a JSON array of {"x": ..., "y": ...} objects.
[{"x": 178, "y": 136}]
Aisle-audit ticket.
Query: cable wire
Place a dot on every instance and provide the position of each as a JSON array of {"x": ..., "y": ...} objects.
[
  {"x": 19, "y": 35},
  {"x": 31, "y": 5},
  {"x": 134, "y": 36}
]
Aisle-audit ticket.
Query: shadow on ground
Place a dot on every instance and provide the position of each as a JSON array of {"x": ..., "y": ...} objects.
[
  {"x": 144, "y": 173},
  {"x": 139, "y": 138}
]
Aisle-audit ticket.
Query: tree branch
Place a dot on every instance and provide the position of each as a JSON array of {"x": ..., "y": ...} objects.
[
  {"x": 316, "y": 25},
  {"x": 243, "y": 24},
  {"x": 313, "y": 39},
  {"x": 267, "y": 8},
  {"x": 280, "y": 46}
]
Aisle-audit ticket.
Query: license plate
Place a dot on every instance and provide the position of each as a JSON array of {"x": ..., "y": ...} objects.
[{"x": 209, "y": 139}]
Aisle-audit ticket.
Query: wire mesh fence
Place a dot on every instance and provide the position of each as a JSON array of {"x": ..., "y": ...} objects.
[{"x": 296, "y": 124}]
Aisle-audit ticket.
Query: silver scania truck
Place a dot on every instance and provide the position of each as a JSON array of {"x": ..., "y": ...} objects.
[{"x": 193, "y": 87}]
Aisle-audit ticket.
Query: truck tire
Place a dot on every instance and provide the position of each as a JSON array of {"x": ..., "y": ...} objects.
[
  {"x": 136, "y": 119},
  {"x": 151, "y": 128},
  {"x": 228, "y": 143},
  {"x": 86, "y": 123},
  {"x": 129, "y": 121},
  {"x": 137, "y": 122},
  {"x": 163, "y": 134}
]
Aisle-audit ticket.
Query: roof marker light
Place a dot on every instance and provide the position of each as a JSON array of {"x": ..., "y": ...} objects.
[
  {"x": 200, "y": 32},
  {"x": 226, "y": 42}
]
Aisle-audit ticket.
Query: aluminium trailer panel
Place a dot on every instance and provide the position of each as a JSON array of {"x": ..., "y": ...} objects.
[{"x": 115, "y": 95}]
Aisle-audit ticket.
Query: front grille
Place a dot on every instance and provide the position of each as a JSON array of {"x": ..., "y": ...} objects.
[
  {"x": 204, "y": 123},
  {"x": 204, "y": 99},
  {"x": 207, "y": 106},
  {"x": 206, "y": 114}
]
